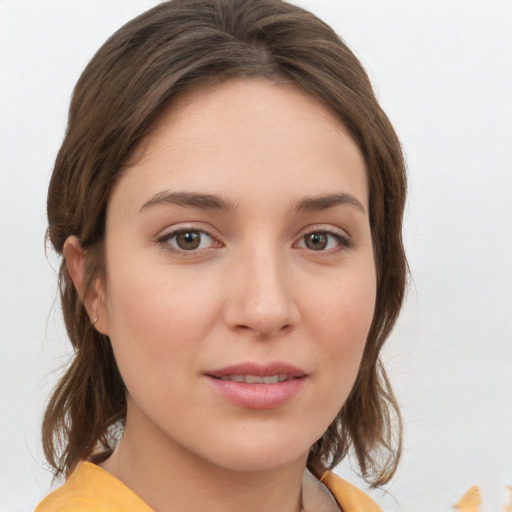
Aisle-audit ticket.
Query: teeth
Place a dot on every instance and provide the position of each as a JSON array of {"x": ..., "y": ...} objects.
[
  {"x": 234, "y": 378},
  {"x": 255, "y": 379}
]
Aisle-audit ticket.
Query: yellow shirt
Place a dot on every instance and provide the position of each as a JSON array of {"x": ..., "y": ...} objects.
[{"x": 92, "y": 489}]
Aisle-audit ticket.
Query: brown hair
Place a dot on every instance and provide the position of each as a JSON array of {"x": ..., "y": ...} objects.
[{"x": 170, "y": 48}]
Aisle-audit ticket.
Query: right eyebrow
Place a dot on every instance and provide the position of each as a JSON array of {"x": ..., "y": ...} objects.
[{"x": 191, "y": 199}]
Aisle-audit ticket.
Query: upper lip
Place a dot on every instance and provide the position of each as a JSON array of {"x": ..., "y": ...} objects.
[{"x": 260, "y": 370}]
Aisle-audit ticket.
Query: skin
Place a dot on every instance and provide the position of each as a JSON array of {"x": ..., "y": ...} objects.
[{"x": 255, "y": 290}]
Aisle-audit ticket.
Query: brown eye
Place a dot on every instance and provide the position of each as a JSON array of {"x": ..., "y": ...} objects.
[
  {"x": 324, "y": 241},
  {"x": 316, "y": 241},
  {"x": 188, "y": 240}
]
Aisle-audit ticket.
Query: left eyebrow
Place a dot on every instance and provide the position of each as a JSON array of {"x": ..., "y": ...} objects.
[
  {"x": 191, "y": 199},
  {"x": 323, "y": 202}
]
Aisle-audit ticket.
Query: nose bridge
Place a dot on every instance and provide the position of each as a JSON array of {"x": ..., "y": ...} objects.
[{"x": 261, "y": 299}]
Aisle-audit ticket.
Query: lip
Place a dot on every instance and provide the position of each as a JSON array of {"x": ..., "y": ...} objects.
[
  {"x": 259, "y": 370},
  {"x": 258, "y": 396}
]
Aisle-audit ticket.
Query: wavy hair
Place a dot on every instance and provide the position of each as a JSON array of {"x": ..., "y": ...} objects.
[{"x": 173, "y": 47}]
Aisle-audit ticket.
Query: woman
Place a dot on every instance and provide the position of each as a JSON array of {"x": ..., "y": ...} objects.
[{"x": 228, "y": 203}]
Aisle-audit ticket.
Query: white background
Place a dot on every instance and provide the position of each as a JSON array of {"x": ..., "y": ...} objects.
[{"x": 443, "y": 72}]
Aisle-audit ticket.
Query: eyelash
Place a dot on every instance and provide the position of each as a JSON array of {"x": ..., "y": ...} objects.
[
  {"x": 343, "y": 241},
  {"x": 165, "y": 239}
]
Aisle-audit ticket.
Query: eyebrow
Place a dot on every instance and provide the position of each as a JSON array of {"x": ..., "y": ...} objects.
[
  {"x": 326, "y": 201},
  {"x": 214, "y": 202},
  {"x": 193, "y": 199}
]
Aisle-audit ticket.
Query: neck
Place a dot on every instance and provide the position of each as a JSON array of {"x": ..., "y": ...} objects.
[{"x": 169, "y": 478}]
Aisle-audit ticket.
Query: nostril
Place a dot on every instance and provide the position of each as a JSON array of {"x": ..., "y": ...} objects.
[
  {"x": 261, "y": 316},
  {"x": 266, "y": 333}
]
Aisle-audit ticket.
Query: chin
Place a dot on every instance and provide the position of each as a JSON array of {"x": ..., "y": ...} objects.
[
  {"x": 263, "y": 453},
  {"x": 253, "y": 463}
]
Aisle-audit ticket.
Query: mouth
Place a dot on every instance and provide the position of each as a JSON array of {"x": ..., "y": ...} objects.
[
  {"x": 255, "y": 386},
  {"x": 252, "y": 373},
  {"x": 256, "y": 379}
]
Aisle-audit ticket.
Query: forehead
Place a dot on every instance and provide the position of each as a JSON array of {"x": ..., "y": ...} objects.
[{"x": 247, "y": 136}]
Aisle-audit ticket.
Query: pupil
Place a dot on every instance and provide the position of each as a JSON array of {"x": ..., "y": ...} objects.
[
  {"x": 316, "y": 241},
  {"x": 189, "y": 240}
]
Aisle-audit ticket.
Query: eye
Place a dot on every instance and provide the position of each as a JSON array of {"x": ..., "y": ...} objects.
[
  {"x": 323, "y": 241},
  {"x": 187, "y": 240}
]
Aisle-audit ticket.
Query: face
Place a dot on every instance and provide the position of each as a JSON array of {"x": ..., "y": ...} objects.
[{"x": 240, "y": 278}]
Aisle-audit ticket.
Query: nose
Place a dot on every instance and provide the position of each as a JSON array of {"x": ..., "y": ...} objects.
[{"x": 260, "y": 299}]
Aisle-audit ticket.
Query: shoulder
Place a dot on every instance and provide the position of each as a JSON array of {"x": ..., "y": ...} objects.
[
  {"x": 62, "y": 501},
  {"x": 91, "y": 489},
  {"x": 349, "y": 497}
]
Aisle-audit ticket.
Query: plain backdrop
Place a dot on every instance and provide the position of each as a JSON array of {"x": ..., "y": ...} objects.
[{"x": 442, "y": 70}]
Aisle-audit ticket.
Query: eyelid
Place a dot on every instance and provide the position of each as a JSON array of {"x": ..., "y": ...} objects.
[
  {"x": 167, "y": 234},
  {"x": 344, "y": 239}
]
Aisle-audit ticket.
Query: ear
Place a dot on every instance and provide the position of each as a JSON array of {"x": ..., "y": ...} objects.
[{"x": 93, "y": 298}]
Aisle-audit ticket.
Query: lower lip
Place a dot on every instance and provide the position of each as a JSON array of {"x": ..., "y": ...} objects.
[{"x": 258, "y": 396}]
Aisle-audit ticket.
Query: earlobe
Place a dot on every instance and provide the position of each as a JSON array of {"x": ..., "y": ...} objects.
[
  {"x": 97, "y": 308},
  {"x": 92, "y": 298}
]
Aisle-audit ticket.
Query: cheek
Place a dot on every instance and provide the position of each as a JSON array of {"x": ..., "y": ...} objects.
[
  {"x": 338, "y": 323},
  {"x": 157, "y": 329},
  {"x": 156, "y": 318},
  {"x": 340, "y": 319}
]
